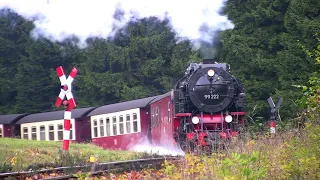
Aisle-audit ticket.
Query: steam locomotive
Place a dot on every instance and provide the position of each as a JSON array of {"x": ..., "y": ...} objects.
[
  {"x": 205, "y": 108},
  {"x": 211, "y": 105}
]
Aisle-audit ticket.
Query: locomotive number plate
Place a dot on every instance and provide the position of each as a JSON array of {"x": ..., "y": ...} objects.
[{"x": 211, "y": 96}]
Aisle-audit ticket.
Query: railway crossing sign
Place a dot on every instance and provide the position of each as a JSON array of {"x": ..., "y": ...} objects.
[
  {"x": 65, "y": 92},
  {"x": 274, "y": 113},
  {"x": 66, "y": 87}
]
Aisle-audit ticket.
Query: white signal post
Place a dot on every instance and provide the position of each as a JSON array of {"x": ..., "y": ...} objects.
[
  {"x": 274, "y": 114},
  {"x": 272, "y": 127},
  {"x": 69, "y": 104}
]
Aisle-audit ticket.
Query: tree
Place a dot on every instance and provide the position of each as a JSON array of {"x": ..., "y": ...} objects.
[
  {"x": 14, "y": 34},
  {"x": 310, "y": 101},
  {"x": 263, "y": 52},
  {"x": 36, "y": 91},
  {"x": 142, "y": 59}
]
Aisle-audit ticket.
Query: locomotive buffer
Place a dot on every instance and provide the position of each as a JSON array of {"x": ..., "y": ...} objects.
[{"x": 274, "y": 114}]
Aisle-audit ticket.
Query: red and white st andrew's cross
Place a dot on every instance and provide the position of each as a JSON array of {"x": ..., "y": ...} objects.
[{"x": 65, "y": 91}]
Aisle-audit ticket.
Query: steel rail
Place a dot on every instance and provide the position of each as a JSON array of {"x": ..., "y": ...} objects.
[{"x": 95, "y": 168}]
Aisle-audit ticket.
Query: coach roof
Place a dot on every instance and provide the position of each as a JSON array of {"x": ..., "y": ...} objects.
[
  {"x": 54, "y": 115},
  {"x": 122, "y": 106},
  {"x": 160, "y": 97},
  {"x": 10, "y": 118}
]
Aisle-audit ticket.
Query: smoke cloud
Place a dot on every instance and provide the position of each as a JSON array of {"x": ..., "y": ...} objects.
[
  {"x": 209, "y": 48},
  {"x": 167, "y": 148},
  {"x": 60, "y": 19}
]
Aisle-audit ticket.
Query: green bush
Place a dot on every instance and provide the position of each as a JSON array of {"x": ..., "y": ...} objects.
[{"x": 301, "y": 157}]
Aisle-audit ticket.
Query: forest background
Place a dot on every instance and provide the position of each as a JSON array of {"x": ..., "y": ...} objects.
[{"x": 145, "y": 58}]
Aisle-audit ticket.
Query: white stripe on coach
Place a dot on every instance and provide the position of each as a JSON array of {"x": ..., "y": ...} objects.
[
  {"x": 67, "y": 115},
  {"x": 66, "y": 135}
]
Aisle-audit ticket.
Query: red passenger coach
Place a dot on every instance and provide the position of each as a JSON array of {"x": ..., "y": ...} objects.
[
  {"x": 7, "y": 125},
  {"x": 121, "y": 125},
  {"x": 162, "y": 128},
  {"x": 48, "y": 126},
  {"x": 205, "y": 108}
]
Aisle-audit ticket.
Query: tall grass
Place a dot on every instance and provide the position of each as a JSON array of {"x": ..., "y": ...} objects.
[
  {"x": 18, "y": 154},
  {"x": 288, "y": 155}
]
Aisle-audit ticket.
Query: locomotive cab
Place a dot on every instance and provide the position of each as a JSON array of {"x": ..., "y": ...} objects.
[{"x": 209, "y": 104}]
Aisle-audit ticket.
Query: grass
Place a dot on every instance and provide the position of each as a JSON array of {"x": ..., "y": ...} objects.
[
  {"x": 289, "y": 155},
  {"x": 19, "y": 154},
  {"x": 292, "y": 154}
]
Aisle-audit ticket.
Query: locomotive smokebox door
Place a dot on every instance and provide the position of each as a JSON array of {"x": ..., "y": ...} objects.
[{"x": 211, "y": 89}]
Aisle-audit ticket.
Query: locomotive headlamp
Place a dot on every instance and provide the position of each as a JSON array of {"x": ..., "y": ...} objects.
[
  {"x": 195, "y": 120},
  {"x": 211, "y": 73},
  {"x": 228, "y": 118}
]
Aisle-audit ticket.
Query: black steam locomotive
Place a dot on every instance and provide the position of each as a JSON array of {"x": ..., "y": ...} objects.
[{"x": 211, "y": 103}]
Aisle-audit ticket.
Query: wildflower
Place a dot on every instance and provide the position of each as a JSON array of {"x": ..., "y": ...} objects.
[
  {"x": 13, "y": 161},
  {"x": 251, "y": 143},
  {"x": 112, "y": 176},
  {"x": 159, "y": 173}
]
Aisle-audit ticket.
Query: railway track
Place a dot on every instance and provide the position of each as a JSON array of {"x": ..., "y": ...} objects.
[{"x": 94, "y": 169}]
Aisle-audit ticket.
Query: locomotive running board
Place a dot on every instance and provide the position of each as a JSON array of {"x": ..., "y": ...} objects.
[
  {"x": 190, "y": 114},
  {"x": 238, "y": 113},
  {"x": 183, "y": 114}
]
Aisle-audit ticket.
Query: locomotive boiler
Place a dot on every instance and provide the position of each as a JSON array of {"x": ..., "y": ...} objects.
[{"x": 210, "y": 104}]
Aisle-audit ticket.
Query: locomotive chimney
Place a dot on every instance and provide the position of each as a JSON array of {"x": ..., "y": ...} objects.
[{"x": 209, "y": 61}]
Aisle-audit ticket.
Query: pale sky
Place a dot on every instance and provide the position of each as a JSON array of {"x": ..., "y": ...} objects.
[{"x": 84, "y": 18}]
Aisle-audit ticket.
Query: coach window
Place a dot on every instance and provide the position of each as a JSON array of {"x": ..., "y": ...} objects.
[
  {"x": 169, "y": 120},
  {"x": 34, "y": 133},
  {"x": 42, "y": 133},
  {"x": 25, "y": 133},
  {"x": 95, "y": 128},
  {"x": 101, "y": 127},
  {"x": 51, "y": 132},
  {"x": 152, "y": 118},
  {"x": 135, "y": 122},
  {"x": 114, "y": 122},
  {"x": 156, "y": 123},
  {"x": 60, "y": 132},
  {"x": 108, "y": 126},
  {"x": 128, "y": 123},
  {"x": 121, "y": 124}
]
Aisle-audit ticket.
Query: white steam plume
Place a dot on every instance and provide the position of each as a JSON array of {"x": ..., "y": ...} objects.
[
  {"x": 60, "y": 19},
  {"x": 167, "y": 148}
]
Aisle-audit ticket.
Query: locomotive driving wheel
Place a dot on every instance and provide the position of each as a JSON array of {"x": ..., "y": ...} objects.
[{"x": 187, "y": 146}]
